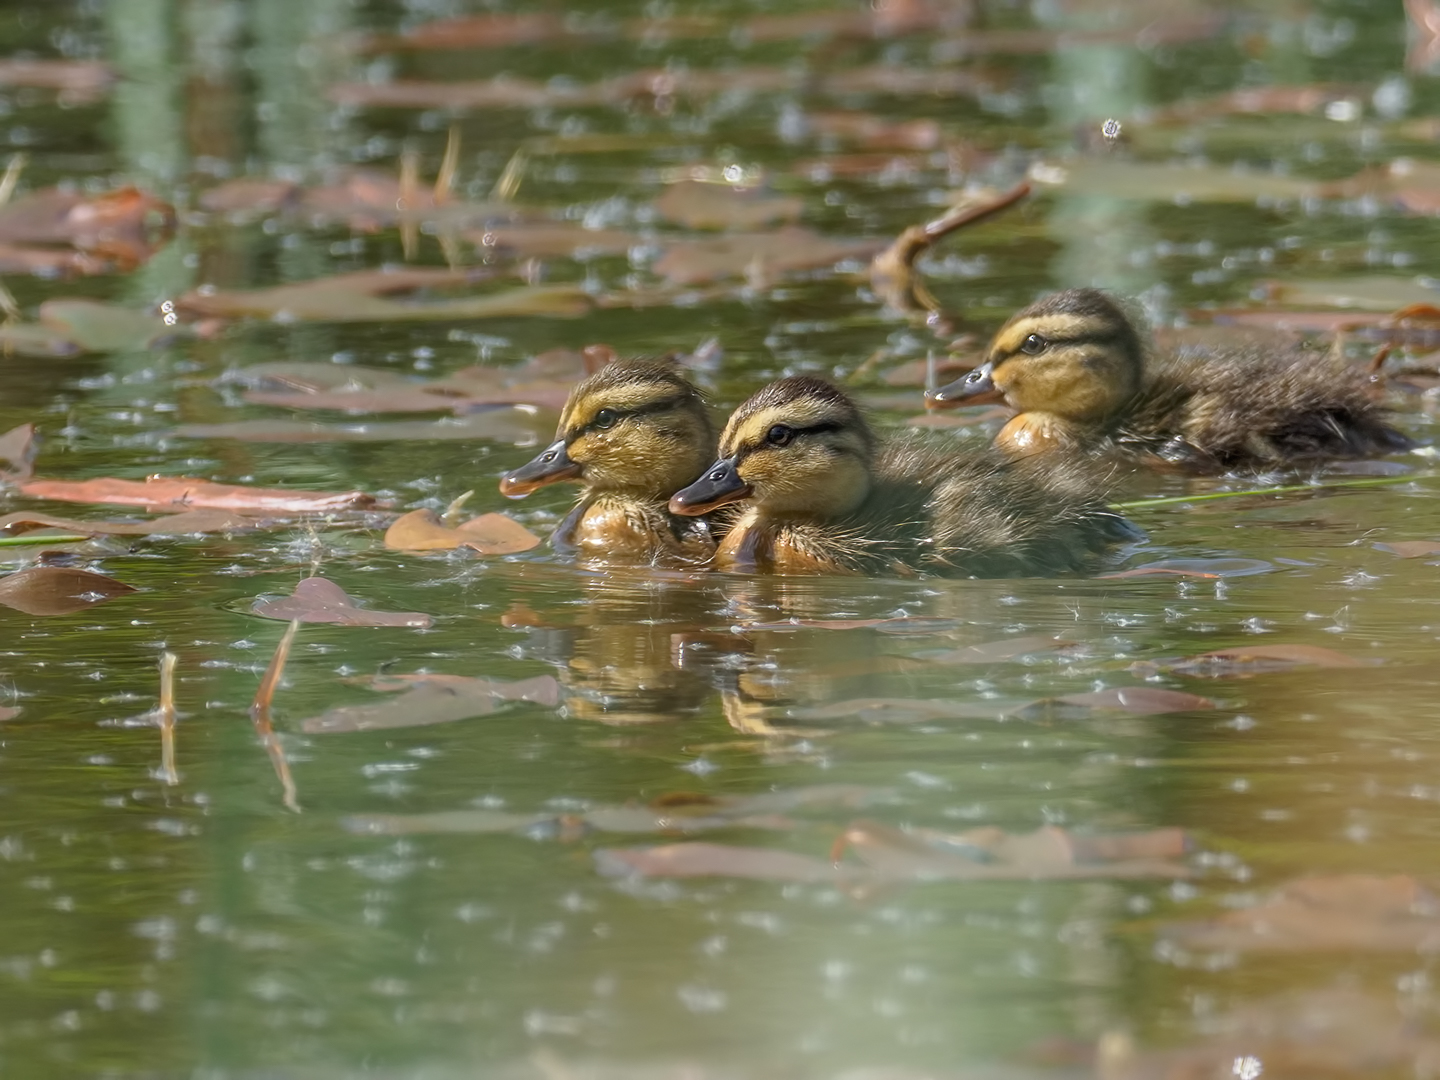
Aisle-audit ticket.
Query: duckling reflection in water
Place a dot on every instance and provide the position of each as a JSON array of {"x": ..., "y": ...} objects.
[
  {"x": 633, "y": 434},
  {"x": 819, "y": 493},
  {"x": 1074, "y": 368}
]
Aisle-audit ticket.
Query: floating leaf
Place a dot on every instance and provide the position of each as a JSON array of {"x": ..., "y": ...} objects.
[
  {"x": 58, "y": 590},
  {"x": 114, "y": 225},
  {"x": 97, "y": 327},
  {"x": 1372, "y": 292},
  {"x": 554, "y": 239},
  {"x": 18, "y": 448},
  {"x": 319, "y": 600},
  {"x": 903, "y": 625},
  {"x": 362, "y": 297},
  {"x": 8, "y": 712},
  {"x": 172, "y": 491},
  {"x": 696, "y": 204},
  {"x": 1120, "y": 178},
  {"x": 758, "y": 255},
  {"x": 188, "y": 523},
  {"x": 1411, "y": 549},
  {"x": 1322, "y": 913},
  {"x": 508, "y": 424},
  {"x": 436, "y": 700},
  {"x": 1139, "y": 700},
  {"x": 489, "y": 534}
]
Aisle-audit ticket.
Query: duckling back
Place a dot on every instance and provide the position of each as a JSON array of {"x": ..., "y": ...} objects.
[{"x": 1253, "y": 409}]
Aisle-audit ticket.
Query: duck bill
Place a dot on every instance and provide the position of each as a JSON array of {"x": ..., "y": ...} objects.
[
  {"x": 721, "y": 484},
  {"x": 973, "y": 388},
  {"x": 549, "y": 466}
]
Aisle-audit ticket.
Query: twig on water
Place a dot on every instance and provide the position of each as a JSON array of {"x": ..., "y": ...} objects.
[
  {"x": 165, "y": 714},
  {"x": 892, "y": 273},
  {"x": 260, "y": 716}
]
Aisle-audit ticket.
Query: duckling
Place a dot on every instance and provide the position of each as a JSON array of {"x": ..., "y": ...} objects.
[
  {"x": 819, "y": 493},
  {"x": 633, "y": 433},
  {"x": 1074, "y": 368}
]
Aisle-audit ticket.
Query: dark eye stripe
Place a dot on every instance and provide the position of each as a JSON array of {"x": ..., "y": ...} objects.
[
  {"x": 662, "y": 405},
  {"x": 1098, "y": 338},
  {"x": 795, "y": 433}
]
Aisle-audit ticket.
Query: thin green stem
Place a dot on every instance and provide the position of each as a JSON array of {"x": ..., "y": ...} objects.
[{"x": 1366, "y": 481}]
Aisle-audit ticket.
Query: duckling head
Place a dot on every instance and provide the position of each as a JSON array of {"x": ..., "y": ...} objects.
[
  {"x": 798, "y": 449},
  {"x": 637, "y": 427},
  {"x": 1074, "y": 355}
]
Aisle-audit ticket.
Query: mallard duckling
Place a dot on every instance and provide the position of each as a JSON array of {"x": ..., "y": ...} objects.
[
  {"x": 1074, "y": 368},
  {"x": 633, "y": 433},
  {"x": 819, "y": 493}
]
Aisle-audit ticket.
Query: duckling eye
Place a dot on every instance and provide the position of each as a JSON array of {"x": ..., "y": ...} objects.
[
  {"x": 605, "y": 418},
  {"x": 1034, "y": 345},
  {"x": 779, "y": 435}
]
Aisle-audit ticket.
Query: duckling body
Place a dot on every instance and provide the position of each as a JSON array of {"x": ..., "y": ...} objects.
[
  {"x": 633, "y": 433},
  {"x": 818, "y": 493},
  {"x": 1076, "y": 371}
]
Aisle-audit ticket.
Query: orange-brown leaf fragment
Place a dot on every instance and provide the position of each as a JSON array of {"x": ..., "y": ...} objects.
[
  {"x": 1139, "y": 700},
  {"x": 176, "y": 492},
  {"x": 58, "y": 590},
  {"x": 188, "y": 523},
  {"x": 489, "y": 534},
  {"x": 319, "y": 600}
]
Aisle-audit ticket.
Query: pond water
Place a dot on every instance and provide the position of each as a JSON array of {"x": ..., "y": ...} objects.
[{"x": 479, "y": 896}]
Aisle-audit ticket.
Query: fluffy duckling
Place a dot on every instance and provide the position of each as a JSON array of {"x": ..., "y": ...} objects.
[
  {"x": 1074, "y": 368},
  {"x": 818, "y": 493},
  {"x": 633, "y": 433}
]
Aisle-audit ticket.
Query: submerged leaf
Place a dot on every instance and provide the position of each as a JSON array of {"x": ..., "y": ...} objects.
[
  {"x": 513, "y": 424},
  {"x": 58, "y": 590},
  {"x": 171, "y": 491},
  {"x": 1411, "y": 549},
  {"x": 1253, "y": 659},
  {"x": 696, "y": 204},
  {"x": 1139, "y": 700},
  {"x": 188, "y": 523},
  {"x": 97, "y": 327},
  {"x": 319, "y": 600},
  {"x": 436, "y": 700},
  {"x": 1313, "y": 914},
  {"x": 489, "y": 534}
]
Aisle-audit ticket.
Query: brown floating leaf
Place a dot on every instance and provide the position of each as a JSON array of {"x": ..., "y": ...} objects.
[
  {"x": 1371, "y": 292},
  {"x": 758, "y": 255},
  {"x": 58, "y": 590},
  {"x": 699, "y": 205},
  {"x": 1140, "y": 700},
  {"x": 1411, "y": 549},
  {"x": 172, "y": 491},
  {"x": 362, "y": 297},
  {"x": 114, "y": 225},
  {"x": 319, "y": 600},
  {"x": 435, "y": 700},
  {"x": 18, "y": 448},
  {"x": 512, "y": 424},
  {"x": 1252, "y": 659},
  {"x": 1343, "y": 911},
  {"x": 8, "y": 712},
  {"x": 1121, "y": 178},
  {"x": 188, "y": 523},
  {"x": 554, "y": 239},
  {"x": 489, "y": 534},
  {"x": 80, "y": 82}
]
